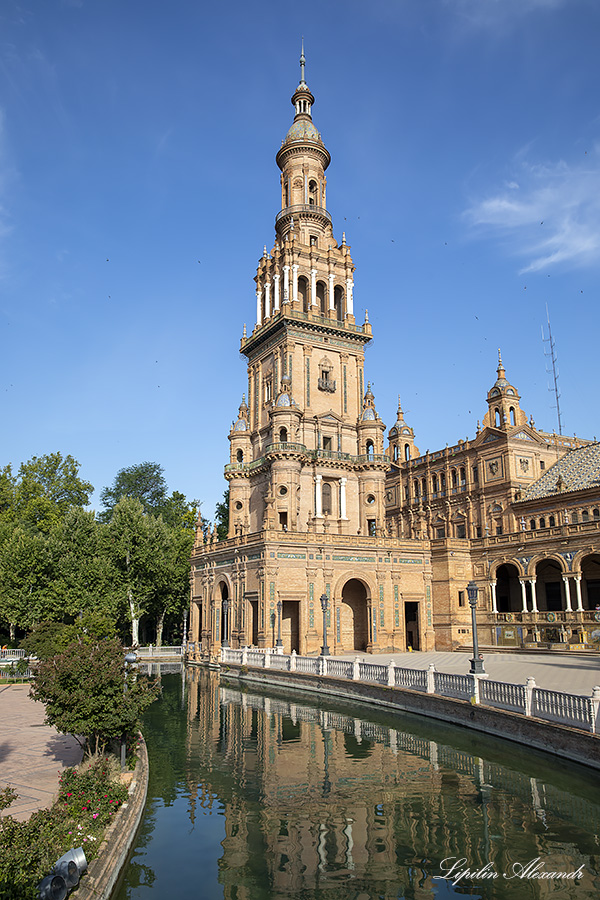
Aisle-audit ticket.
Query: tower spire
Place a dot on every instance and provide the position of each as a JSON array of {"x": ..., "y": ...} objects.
[{"x": 302, "y": 64}]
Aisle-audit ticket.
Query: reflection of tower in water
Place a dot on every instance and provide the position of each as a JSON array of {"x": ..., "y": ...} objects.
[{"x": 317, "y": 800}]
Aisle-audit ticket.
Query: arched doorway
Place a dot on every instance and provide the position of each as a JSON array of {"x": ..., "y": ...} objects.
[
  {"x": 225, "y": 614},
  {"x": 508, "y": 589},
  {"x": 590, "y": 582},
  {"x": 354, "y": 626},
  {"x": 548, "y": 583}
]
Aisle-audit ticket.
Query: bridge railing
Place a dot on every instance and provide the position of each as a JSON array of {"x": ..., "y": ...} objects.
[
  {"x": 571, "y": 710},
  {"x": 158, "y": 652}
]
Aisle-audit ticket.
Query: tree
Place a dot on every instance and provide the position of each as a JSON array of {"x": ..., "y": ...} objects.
[
  {"x": 134, "y": 541},
  {"x": 84, "y": 577},
  {"x": 26, "y": 572},
  {"x": 222, "y": 517},
  {"x": 45, "y": 489},
  {"x": 144, "y": 482},
  {"x": 88, "y": 691}
]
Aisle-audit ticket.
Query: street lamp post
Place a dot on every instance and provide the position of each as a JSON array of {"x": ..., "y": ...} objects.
[
  {"x": 225, "y": 622},
  {"x": 279, "y": 608},
  {"x": 324, "y": 604},
  {"x": 477, "y": 661}
]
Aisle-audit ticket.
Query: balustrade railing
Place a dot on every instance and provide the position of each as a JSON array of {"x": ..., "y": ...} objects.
[{"x": 572, "y": 710}]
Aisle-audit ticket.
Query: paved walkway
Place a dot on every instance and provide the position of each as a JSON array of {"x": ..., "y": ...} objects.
[
  {"x": 572, "y": 674},
  {"x": 32, "y": 755}
]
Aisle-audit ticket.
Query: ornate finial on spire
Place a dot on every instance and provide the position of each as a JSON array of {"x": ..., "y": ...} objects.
[
  {"x": 265, "y": 250},
  {"x": 366, "y": 316},
  {"x": 244, "y": 331},
  {"x": 500, "y": 369},
  {"x": 343, "y": 238},
  {"x": 302, "y": 63}
]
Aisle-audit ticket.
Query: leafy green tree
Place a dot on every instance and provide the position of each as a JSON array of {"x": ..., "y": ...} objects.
[
  {"x": 84, "y": 577},
  {"x": 49, "y": 638},
  {"x": 222, "y": 517},
  {"x": 144, "y": 482},
  {"x": 46, "y": 488},
  {"x": 7, "y": 494},
  {"x": 135, "y": 545},
  {"x": 88, "y": 691},
  {"x": 26, "y": 572}
]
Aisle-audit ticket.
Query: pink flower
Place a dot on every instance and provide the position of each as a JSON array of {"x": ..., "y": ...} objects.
[{"x": 95, "y": 816}]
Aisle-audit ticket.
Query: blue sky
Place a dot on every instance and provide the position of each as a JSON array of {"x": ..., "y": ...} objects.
[{"x": 138, "y": 185}]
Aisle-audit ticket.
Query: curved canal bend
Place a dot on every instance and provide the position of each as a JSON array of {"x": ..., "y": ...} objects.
[{"x": 259, "y": 795}]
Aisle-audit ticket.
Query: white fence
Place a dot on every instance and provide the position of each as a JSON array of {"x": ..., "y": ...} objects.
[
  {"x": 13, "y": 654},
  {"x": 153, "y": 652},
  {"x": 571, "y": 710}
]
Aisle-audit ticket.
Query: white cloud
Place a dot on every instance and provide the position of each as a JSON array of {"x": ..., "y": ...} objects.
[
  {"x": 494, "y": 13},
  {"x": 547, "y": 213}
]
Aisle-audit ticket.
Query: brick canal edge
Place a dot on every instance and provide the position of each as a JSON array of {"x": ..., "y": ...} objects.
[{"x": 103, "y": 872}]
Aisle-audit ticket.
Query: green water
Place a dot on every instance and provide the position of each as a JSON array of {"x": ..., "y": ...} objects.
[{"x": 269, "y": 795}]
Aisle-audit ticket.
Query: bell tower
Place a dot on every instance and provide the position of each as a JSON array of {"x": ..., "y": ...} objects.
[
  {"x": 313, "y": 443},
  {"x": 503, "y": 400}
]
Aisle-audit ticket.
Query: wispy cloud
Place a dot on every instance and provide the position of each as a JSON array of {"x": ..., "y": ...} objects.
[
  {"x": 547, "y": 213},
  {"x": 498, "y": 13}
]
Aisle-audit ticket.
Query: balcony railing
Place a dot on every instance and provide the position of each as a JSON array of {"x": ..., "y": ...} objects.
[{"x": 302, "y": 209}]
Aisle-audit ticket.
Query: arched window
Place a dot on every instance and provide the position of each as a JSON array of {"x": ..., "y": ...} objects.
[
  {"x": 585, "y": 516},
  {"x": 424, "y": 487},
  {"x": 574, "y": 518},
  {"x": 513, "y": 420},
  {"x": 338, "y": 301},
  {"x": 303, "y": 293},
  {"x": 442, "y": 481},
  {"x": 326, "y": 497},
  {"x": 551, "y": 521},
  {"x": 434, "y": 483},
  {"x": 370, "y": 449},
  {"x": 596, "y": 513},
  {"x": 322, "y": 298},
  {"x": 240, "y": 456},
  {"x": 283, "y": 435},
  {"x": 454, "y": 477},
  {"x": 542, "y": 522},
  {"x": 312, "y": 193},
  {"x": 475, "y": 474},
  {"x": 407, "y": 452},
  {"x": 497, "y": 419},
  {"x": 416, "y": 487},
  {"x": 532, "y": 524}
]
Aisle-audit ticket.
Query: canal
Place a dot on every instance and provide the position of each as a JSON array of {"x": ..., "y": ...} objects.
[{"x": 258, "y": 795}]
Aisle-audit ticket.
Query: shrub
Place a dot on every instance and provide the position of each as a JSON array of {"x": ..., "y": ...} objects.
[
  {"x": 87, "y": 802},
  {"x": 88, "y": 691}
]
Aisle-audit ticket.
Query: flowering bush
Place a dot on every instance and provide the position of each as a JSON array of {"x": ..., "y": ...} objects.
[{"x": 87, "y": 802}]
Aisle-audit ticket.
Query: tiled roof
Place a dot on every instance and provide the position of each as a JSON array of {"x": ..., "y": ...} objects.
[{"x": 578, "y": 470}]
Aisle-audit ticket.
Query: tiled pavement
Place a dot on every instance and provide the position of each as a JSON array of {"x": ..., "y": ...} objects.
[{"x": 32, "y": 755}]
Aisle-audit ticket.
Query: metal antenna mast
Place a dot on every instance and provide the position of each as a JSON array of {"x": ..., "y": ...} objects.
[{"x": 554, "y": 370}]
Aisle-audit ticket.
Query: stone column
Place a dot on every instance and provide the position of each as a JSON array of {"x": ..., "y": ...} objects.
[
  {"x": 276, "y": 293},
  {"x": 343, "y": 498},
  {"x": 331, "y": 291},
  {"x": 286, "y": 284},
  {"x": 318, "y": 507},
  {"x": 295, "y": 283},
  {"x": 258, "y": 307},
  {"x": 267, "y": 299},
  {"x": 578, "y": 591},
  {"x": 523, "y": 594},
  {"x": 568, "y": 607},
  {"x": 494, "y": 603},
  {"x": 349, "y": 297},
  {"x": 313, "y": 287},
  {"x": 533, "y": 583}
]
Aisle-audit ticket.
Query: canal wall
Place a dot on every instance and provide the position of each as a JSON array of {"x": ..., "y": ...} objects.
[
  {"x": 103, "y": 872},
  {"x": 559, "y": 740}
]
